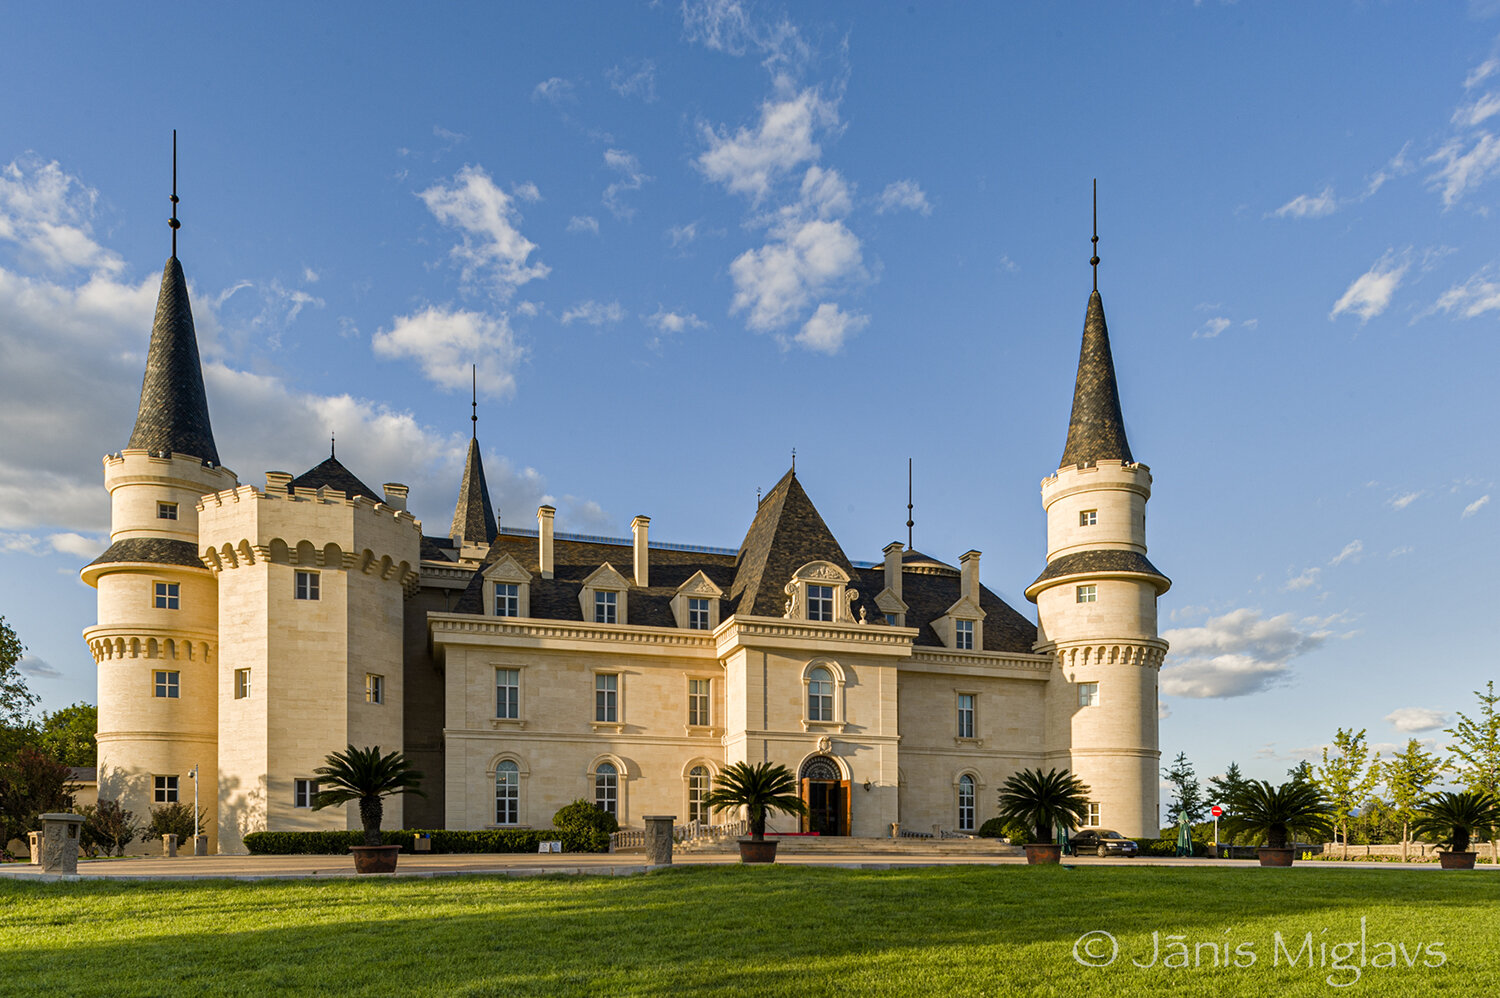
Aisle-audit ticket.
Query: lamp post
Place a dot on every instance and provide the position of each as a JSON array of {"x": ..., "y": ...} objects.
[{"x": 194, "y": 775}]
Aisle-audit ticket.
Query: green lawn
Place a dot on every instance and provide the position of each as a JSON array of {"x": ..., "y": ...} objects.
[{"x": 734, "y": 931}]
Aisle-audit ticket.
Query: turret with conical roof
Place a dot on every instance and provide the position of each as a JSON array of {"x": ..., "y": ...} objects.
[
  {"x": 475, "y": 525},
  {"x": 1096, "y": 430},
  {"x": 173, "y": 414}
]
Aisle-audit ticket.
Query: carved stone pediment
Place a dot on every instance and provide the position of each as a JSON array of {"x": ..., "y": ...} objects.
[
  {"x": 966, "y": 608},
  {"x": 889, "y": 602},
  {"x": 701, "y": 586},
  {"x": 507, "y": 569},
  {"x": 821, "y": 571},
  {"x": 605, "y": 577}
]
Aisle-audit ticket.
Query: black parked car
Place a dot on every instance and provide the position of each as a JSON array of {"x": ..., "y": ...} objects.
[{"x": 1104, "y": 841}]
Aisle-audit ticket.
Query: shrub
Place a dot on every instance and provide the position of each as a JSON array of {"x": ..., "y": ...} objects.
[
  {"x": 1168, "y": 847},
  {"x": 107, "y": 828},
  {"x": 992, "y": 829},
  {"x": 582, "y": 815},
  {"x": 490, "y": 840},
  {"x": 174, "y": 819}
]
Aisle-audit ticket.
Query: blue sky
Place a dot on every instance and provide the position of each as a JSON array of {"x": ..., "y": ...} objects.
[{"x": 680, "y": 240}]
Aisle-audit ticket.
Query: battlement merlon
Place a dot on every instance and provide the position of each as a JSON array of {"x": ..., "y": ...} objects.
[
  {"x": 134, "y": 466},
  {"x": 323, "y": 496},
  {"x": 1128, "y": 476}
]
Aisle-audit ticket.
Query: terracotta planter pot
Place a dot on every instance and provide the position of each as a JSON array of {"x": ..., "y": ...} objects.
[
  {"x": 752, "y": 851},
  {"x": 1042, "y": 853},
  {"x": 1457, "y": 860},
  {"x": 1276, "y": 857},
  {"x": 375, "y": 859}
]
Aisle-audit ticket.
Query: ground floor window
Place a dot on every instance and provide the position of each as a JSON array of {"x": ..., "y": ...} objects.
[
  {"x": 1094, "y": 821},
  {"x": 698, "y": 794},
  {"x": 966, "y": 803},
  {"x": 303, "y": 793},
  {"x": 507, "y": 793},
  {"x": 607, "y": 788}
]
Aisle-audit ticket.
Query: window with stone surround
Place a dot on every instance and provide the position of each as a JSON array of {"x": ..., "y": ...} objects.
[
  {"x": 698, "y": 781},
  {"x": 1088, "y": 594},
  {"x": 607, "y": 788},
  {"x": 606, "y": 698},
  {"x": 507, "y": 599},
  {"x": 168, "y": 684},
  {"x": 1088, "y": 518},
  {"x": 164, "y": 789},
  {"x": 167, "y": 595},
  {"x": 820, "y": 695},
  {"x": 507, "y": 793},
  {"x": 698, "y": 701},
  {"x": 966, "y": 715},
  {"x": 697, "y": 614},
  {"x": 166, "y": 511},
  {"x": 508, "y": 694},
  {"x": 966, "y": 803},
  {"x": 963, "y": 635},
  {"x": 606, "y": 605},
  {"x": 819, "y": 602}
]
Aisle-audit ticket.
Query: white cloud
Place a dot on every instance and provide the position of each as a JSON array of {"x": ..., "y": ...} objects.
[
  {"x": 829, "y": 327},
  {"x": 1351, "y": 550},
  {"x": 594, "y": 313},
  {"x": 1481, "y": 72},
  {"x": 309, "y": 275},
  {"x": 1416, "y": 718},
  {"x": 636, "y": 81},
  {"x": 1162, "y": 710},
  {"x": 681, "y": 235},
  {"x": 1212, "y": 328},
  {"x": 1309, "y": 205},
  {"x": 726, "y": 26},
  {"x": 77, "y": 544},
  {"x": 1371, "y": 292},
  {"x": 1469, "y": 115},
  {"x": 903, "y": 194},
  {"x": 1398, "y": 552},
  {"x": 444, "y": 342},
  {"x": 48, "y": 213},
  {"x": 554, "y": 90},
  {"x": 631, "y": 179},
  {"x": 1236, "y": 654},
  {"x": 37, "y": 668},
  {"x": 1474, "y": 297},
  {"x": 1405, "y": 499},
  {"x": 778, "y": 280},
  {"x": 1475, "y": 506},
  {"x": 824, "y": 193},
  {"x": 672, "y": 322},
  {"x": 527, "y": 191},
  {"x": 583, "y": 223},
  {"x": 493, "y": 251},
  {"x": 1461, "y": 167},
  {"x": 749, "y": 160},
  {"x": 1306, "y": 580}
]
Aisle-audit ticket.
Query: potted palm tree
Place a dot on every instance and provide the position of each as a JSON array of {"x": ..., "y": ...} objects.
[
  {"x": 1274, "y": 814},
  {"x": 1043, "y": 801},
  {"x": 366, "y": 776},
  {"x": 759, "y": 789},
  {"x": 1452, "y": 819}
]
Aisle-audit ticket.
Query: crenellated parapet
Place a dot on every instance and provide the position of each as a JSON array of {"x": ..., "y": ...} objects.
[{"x": 1143, "y": 654}]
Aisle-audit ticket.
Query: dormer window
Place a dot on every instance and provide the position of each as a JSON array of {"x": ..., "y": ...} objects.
[
  {"x": 819, "y": 602},
  {"x": 820, "y": 590},
  {"x": 606, "y": 606},
  {"x": 963, "y": 635},
  {"x": 697, "y": 614},
  {"x": 695, "y": 605},
  {"x": 507, "y": 588},
  {"x": 602, "y": 600},
  {"x": 507, "y": 599}
]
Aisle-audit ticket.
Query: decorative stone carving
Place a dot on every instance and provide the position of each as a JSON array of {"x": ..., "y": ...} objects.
[{"x": 659, "y": 839}]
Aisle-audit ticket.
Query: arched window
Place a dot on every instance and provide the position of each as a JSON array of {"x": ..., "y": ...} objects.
[
  {"x": 607, "y": 788},
  {"x": 507, "y": 793},
  {"x": 966, "y": 803},
  {"x": 698, "y": 794},
  {"x": 820, "y": 695}
]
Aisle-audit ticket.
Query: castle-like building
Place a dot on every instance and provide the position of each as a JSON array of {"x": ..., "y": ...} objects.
[{"x": 245, "y": 633}]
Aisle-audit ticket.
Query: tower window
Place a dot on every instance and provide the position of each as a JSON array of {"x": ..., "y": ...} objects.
[
  {"x": 605, "y": 606},
  {"x": 167, "y": 684},
  {"x": 307, "y": 585},
  {"x": 1088, "y": 518},
  {"x": 819, "y": 602},
  {"x": 1088, "y": 594},
  {"x": 166, "y": 511},
  {"x": 963, "y": 635},
  {"x": 164, "y": 789},
  {"x": 1088, "y": 694},
  {"x": 303, "y": 792},
  {"x": 374, "y": 688},
  {"x": 507, "y": 599},
  {"x": 241, "y": 683},
  {"x": 167, "y": 595}
]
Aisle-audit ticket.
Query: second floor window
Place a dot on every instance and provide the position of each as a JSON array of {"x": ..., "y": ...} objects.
[
  {"x": 374, "y": 688},
  {"x": 508, "y": 693},
  {"x": 1088, "y": 694},
  {"x": 166, "y": 511},
  {"x": 1088, "y": 518},
  {"x": 963, "y": 635},
  {"x": 241, "y": 683},
  {"x": 819, "y": 602},
  {"x": 698, "y": 702},
  {"x": 507, "y": 599},
  {"x": 606, "y": 606},
  {"x": 820, "y": 695},
  {"x": 167, "y": 684},
  {"x": 698, "y": 614},
  {"x": 1088, "y": 594},
  {"x": 606, "y": 697},
  {"x": 966, "y": 715},
  {"x": 167, "y": 595},
  {"x": 307, "y": 585}
]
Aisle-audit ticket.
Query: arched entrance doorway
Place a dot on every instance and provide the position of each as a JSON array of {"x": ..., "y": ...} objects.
[{"x": 826, "y": 794}]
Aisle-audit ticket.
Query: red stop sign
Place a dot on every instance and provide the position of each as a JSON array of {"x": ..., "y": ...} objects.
[{"x": 1216, "y": 811}]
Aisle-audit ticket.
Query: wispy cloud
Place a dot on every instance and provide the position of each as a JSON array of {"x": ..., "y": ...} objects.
[
  {"x": 1351, "y": 550},
  {"x": 637, "y": 79},
  {"x": 631, "y": 179},
  {"x": 37, "y": 668},
  {"x": 667, "y": 323},
  {"x": 1309, "y": 205},
  {"x": 1474, "y": 297},
  {"x": 493, "y": 251},
  {"x": 903, "y": 194},
  {"x": 1306, "y": 580},
  {"x": 748, "y": 160},
  {"x": 1237, "y": 653},
  {"x": 1405, "y": 499},
  {"x": 1475, "y": 506},
  {"x": 583, "y": 223},
  {"x": 1370, "y": 293},
  {"x": 594, "y": 313},
  {"x": 728, "y": 26},
  {"x": 1212, "y": 328},
  {"x": 1416, "y": 718},
  {"x": 1463, "y": 163},
  {"x": 555, "y": 90},
  {"x": 681, "y": 235}
]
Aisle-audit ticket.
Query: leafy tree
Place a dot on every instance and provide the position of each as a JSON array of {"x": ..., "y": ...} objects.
[
  {"x": 1347, "y": 778},
  {"x": 108, "y": 827},
  {"x": 366, "y": 776},
  {"x": 1375, "y": 823},
  {"x": 759, "y": 789},
  {"x": 16, "y": 701},
  {"x": 1409, "y": 775},
  {"x": 31, "y": 785},
  {"x": 1225, "y": 787},
  {"x": 174, "y": 819},
  {"x": 1045, "y": 801},
  {"x": 1187, "y": 795},
  {"x": 1476, "y": 752},
  {"x": 1301, "y": 773},
  {"x": 68, "y": 735}
]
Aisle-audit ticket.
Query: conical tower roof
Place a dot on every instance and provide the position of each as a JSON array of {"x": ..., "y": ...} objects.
[
  {"x": 474, "y": 516},
  {"x": 1096, "y": 431},
  {"x": 787, "y": 533},
  {"x": 173, "y": 415}
]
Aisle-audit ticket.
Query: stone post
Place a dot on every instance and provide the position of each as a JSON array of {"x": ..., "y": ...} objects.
[
  {"x": 34, "y": 842},
  {"x": 200, "y": 846},
  {"x": 895, "y": 829},
  {"x": 169, "y": 845},
  {"x": 60, "y": 843},
  {"x": 659, "y": 839}
]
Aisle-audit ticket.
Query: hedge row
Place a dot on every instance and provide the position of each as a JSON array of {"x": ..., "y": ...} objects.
[{"x": 443, "y": 841}]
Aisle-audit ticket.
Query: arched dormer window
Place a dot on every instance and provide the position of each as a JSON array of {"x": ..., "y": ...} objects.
[{"x": 820, "y": 591}]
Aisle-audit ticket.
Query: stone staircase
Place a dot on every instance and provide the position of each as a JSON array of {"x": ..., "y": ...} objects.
[{"x": 838, "y": 845}]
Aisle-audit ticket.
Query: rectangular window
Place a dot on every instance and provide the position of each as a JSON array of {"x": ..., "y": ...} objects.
[
  {"x": 507, "y": 599},
  {"x": 508, "y": 693},
  {"x": 374, "y": 688},
  {"x": 606, "y": 697},
  {"x": 890, "y": 619},
  {"x": 241, "y": 683},
  {"x": 698, "y": 702},
  {"x": 167, "y": 595},
  {"x": 698, "y": 614},
  {"x": 966, "y": 715},
  {"x": 167, "y": 684},
  {"x": 819, "y": 602},
  {"x": 1088, "y": 594},
  {"x": 1088, "y": 694},
  {"x": 304, "y": 792},
  {"x": 1088, "y": 518},
  {"x": 307, "y": 585},
  {"x": 166, "y": 511},
  {"x": 1094, "y": 820},
  {"x": 605, "y": 605},
  {"x": 963, "y": 635},
  {"x": 165, "y": 789}
]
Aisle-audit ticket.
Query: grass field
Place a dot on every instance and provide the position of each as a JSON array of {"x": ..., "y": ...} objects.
[{"x": 785, "y": 930}]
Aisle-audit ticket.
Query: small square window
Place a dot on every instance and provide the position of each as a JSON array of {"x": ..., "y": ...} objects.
[
  {"x": 1088, "y": 594},
  {"x": 966, "y": 715},
  {"x": 167, "y": 684},
  {"x": 819, "y": 602},
  {"x": 606, "y": 697},
  {"x": 1088, "y": 694},
  {"x": 164, "y": 789},
  {"x": 166, "y": 511},
  {"x": 507, "y": 599},
  {"x": 303, "y": 794},
  {"x": 241, "y": 683},
  {"x": 307, "y": 585},
  {"x": 698, "y": 614},
  {"x": 508, "y": 694},
  {"x": 1088, "y": 518},
  {"x": 167, "y": 595},
  {"x": 963, "y": 635},
  {"x": 890, "y": 619},
  {"x": 605, "y": 607},
  {"x": 1094, "y": 820},
  {"x": 374, "y": 688},
  {"x": 698, "y": 702}
]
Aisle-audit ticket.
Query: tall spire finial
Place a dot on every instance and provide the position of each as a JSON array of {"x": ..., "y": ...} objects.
[
  {"x": 909, "y": 521},
  {"x": 333, "y": 441},
  {"x": 794, "y": 460},
  {"x": 1094, "y": 261},
  {"x": 474, "y": 404},
  {"x": 173, "y": 220}
]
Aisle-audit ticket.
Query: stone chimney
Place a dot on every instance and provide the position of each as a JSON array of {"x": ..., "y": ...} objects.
[
  {"x": 968, "y": 566},
  {"x": 544, "y": 515},
  {"x": 395, "y": 494},
  {"x": 278, "y": 482},
  {"x": 893, "y": 552},
  {"x": 638, "y": 529}
]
